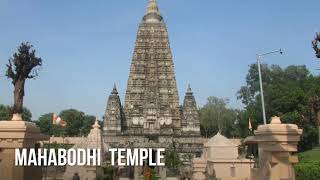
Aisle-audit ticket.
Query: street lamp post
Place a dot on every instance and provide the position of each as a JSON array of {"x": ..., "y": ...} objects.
[{"x": 259, "y": 57}]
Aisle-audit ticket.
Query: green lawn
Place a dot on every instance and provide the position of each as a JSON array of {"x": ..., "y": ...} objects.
[
  {"x": 312, "y": 155},
  {"x": 309, "y": 166}
]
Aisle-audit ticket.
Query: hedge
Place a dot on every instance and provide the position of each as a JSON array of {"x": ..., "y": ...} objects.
[{"x": 308, "y": 170}]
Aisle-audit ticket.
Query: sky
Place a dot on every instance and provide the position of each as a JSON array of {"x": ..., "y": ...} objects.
[{"x": 87, "y": 46}]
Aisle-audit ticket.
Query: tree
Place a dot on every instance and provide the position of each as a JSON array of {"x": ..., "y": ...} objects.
[
  {"x": 78, "y": 123},
  {"x": 315, "y": 45},
  {"x": 5, "y": 113},
  {"x": 74, "y": 120},
  {"x": 215, "y": 116},
  {"x": 26, "y": 114},
  {"x": 19, "y": 68},
  {"x": 242, "y": 124},
  {"x": 88, "y": 121},
  {"x": 288, "y": 93},
  {"x": 46, "y": 125}
]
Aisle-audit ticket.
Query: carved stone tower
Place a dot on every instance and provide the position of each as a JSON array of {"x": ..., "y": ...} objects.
[
  {"x": 151, "y": 116},
  {"x": 190, "y": 116},
  {"x": 114, "y": 114},
  {"x": 151, "y": 101}
]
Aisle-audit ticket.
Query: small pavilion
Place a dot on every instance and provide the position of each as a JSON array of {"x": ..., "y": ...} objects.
[
  {"x": 220, "y": 159},
  {"x": 93, "y": 141}
]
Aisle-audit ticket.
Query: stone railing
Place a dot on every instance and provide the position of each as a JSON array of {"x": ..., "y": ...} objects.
[
  {"x": 277, "y": 142},
  {"x": 64, "y": 140}
]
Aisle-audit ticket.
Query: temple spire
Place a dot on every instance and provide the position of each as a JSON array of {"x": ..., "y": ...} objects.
[
  {"x": 114, "y": 90},
  {"x": 113, "y": 114},
  {"x": 153, "y": 12},
  {"x": 190, "y": 120},
  {"x": 189, "y": 90}
]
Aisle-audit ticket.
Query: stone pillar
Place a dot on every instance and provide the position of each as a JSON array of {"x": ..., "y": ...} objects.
[
  {"x": 18, "y": 134},
  {"x": 199, "y": 166},
  {"x": 276, "y": 142}
]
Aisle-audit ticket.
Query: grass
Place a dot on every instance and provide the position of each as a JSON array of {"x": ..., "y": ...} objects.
[
  {"x": 312, "y": 155},
  {"x": 308, "y": 167}
]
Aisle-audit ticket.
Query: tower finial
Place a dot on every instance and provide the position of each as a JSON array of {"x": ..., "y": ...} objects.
[
  {"x": 153, "y": 12},
  {"x": 189, "y": 89},
  {"x": 96, "y": 124},
  {"x": 114, "y": 90},
  {"x": 153, "y": 7}
]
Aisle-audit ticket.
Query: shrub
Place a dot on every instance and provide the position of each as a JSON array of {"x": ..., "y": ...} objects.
[{"x": 308, "y": 170}]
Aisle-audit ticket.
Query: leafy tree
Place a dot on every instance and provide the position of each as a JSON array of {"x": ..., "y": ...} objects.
[
  {"x": 287, "y": 94},
  {"x": 19, "y": 68},
  {"x": 5, "y": 113},
  {"x": 87, "y": 124},
  {"x": 315, "y": 45},
  {"x": 26, "y": 114},
  {"x": 78, "y": 123},
  {"x": 45, "y": 123},
  {"x": 242, "y": 124},
  {"x": 215, "y": 116},
  {"x": 74, "y": 120}
]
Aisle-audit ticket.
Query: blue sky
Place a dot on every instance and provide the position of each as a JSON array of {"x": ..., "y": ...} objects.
[{"x": 87, "y": 46}]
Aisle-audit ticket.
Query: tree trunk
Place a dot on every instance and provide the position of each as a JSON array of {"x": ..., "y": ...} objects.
[{"x": 18, "y": 97}]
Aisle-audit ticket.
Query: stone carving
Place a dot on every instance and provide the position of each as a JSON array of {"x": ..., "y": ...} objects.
[{"x": 277, "y": 144}]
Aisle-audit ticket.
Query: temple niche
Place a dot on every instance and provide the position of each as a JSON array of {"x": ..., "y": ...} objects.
[{"x": 151, "y": 115}]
